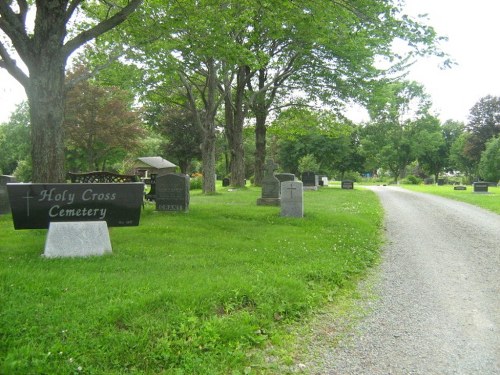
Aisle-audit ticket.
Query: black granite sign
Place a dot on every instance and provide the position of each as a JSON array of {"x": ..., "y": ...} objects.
[
  {"x": 4, "y": 197},
  {"x": 172, "y": 192},
  {"x": 34, "y": 206}
]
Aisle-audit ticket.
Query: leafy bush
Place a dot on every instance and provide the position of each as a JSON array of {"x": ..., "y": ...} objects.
[
  {"x": 412, "y": 180},
  {"x": 308, "y": 163},
  {"x": 196, "y": 181},
  {"x": 489, "y": 167}
]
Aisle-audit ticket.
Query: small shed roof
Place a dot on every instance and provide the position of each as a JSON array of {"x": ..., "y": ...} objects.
[{"x": 157, "y": 162}]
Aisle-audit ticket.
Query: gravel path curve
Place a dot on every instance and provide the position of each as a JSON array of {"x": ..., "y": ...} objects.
[{"x": 438, "y": 306}]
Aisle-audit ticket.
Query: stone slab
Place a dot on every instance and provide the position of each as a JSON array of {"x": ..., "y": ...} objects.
[
  {"x": 292, "y": 201},
  {"x": 77, "y": 239}
]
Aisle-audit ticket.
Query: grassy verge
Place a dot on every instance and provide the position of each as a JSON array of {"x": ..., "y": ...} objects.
[
  {"x": 489, "y": 201},
  {"x": 206, "y": 292}
]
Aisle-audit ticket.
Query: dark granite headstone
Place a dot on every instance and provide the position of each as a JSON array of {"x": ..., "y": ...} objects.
[
  {"x": 310, "y": 180},
  {"x": 282, "y": 177},
  {"x": 34, "y": 206},
  {"x": 459, "y": 187},
  {"x": 270, "y": 187},
  {"x": 428, "y": 181},
  {"x": 480, "y": 187},
  {"x": 225, "y": 181},
  {"x": 440, "y": 181},
  {"x": 4, "y": 197},
  {"x": 172, "y": 192},
  {"x": 347, "y": 184}
]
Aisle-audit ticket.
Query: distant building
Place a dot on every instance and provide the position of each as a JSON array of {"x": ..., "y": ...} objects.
[{"x": 149, "y": 165}]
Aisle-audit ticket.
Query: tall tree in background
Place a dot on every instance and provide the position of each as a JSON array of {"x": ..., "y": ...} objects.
[
  {"x": 388, "y": 141},
  {"x": 483, "y": 124},
  {"x": 183, "y": 135},
  {"x": 100, "y": 125},
  {"x": 45, "y": 49}
]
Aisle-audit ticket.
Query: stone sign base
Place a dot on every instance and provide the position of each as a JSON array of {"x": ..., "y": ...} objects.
[
  {"x": 77, "y": 239},
  {"x": 268, "y": 202}
]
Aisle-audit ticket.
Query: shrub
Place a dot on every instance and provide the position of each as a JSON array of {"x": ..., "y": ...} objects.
[
  {"x": 196, "y": 181},
  {"x": 412, "y": 180}
]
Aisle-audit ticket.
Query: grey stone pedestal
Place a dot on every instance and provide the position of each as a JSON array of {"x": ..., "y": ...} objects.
[{"x": 77, "y": 239}]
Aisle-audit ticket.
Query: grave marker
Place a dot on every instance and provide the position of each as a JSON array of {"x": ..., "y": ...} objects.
[
  {"x": 292, "y": 201},
  {"x": 480, "y": 187},
  {"x": 172, "y": 192},
  {"x": 310, "y": 180},
  {"x": 270, "y": 186},
  {"x": 347, "y": 184}
]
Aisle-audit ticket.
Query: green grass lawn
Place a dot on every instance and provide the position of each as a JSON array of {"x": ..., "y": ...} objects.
[
  {"x": 211, "y": 291},
  {"x": 489, "y": 201}
]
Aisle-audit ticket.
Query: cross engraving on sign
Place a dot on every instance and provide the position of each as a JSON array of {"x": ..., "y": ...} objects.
[
  {"x": 291, "y": 188},
  {"x": 28, "y": 197}
]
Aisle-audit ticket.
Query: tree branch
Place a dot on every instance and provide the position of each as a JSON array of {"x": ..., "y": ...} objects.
[
  {"x": 10, "y": 65},
  {"x": 100, "y": 28}
]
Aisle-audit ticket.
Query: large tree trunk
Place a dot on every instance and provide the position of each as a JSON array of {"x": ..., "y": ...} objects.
[
  {"x": 260, "y": 146},
  {"x": 46, "y": 100},
  {"x": 235, "y": 111}
]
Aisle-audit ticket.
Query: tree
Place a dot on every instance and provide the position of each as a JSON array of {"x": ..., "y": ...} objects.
[
  {"x": 45, "y": 49},
  {"x": 430, "y": 146},
  {"x": 182, "y": 134},
  {"x": 489, "y": 166},
  {"x": 459, "y": 157},
  {"x": 14, "y": 140},
  {"x": 483, "y": 124},
  {"x": 100, "y": 125},
  {"x": 388, "y": 141}
]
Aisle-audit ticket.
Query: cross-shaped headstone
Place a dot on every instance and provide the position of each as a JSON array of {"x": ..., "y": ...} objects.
[{"x": 270, "y": 167}]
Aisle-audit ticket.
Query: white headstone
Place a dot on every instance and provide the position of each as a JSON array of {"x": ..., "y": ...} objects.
[
  {"x": 292, "y": 201},
  {"x": 77, "y": 239}
]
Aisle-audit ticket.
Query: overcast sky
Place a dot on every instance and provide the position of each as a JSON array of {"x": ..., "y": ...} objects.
[{"x": 473, "y": 31}]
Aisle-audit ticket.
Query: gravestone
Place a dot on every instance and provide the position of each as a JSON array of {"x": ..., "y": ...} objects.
[
  {"x": 225, "y": 182},
  {"x": 172, "y": 192},
  {"x": 4, "y": 197},
  {"x": 270, "y": 187},
  {"x": 282, "y": 177},
  {"x": 325, "y": 180},
  {"x": 77, "y": 239},
  {"x": 347, "y": 184},
  {"x": 480, "y": 187},
  {"x": 440, "y": 181},
  {"x": 459, "y": 187},
  {"x": 310, "y": 180},
  {"x": 428, "y": 181},
  {"x": 292, "y": 199}
]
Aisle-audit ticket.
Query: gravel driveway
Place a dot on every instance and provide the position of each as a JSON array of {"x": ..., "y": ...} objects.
[{"x": 438, "y": 289}]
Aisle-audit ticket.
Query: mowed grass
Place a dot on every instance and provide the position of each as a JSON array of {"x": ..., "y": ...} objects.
[
  {"x": 489, "y": 201},
  {"x": 204, "y": 292}
]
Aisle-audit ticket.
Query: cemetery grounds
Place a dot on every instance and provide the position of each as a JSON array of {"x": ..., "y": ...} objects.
[
  {"x": 226, "y": 288},
  {"x": 489, "y": 201}
]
